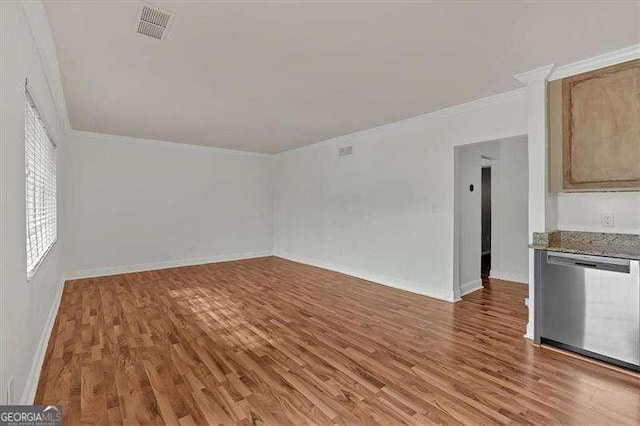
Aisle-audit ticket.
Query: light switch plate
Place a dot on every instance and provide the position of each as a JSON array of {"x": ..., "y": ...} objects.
[{"x": 607, "y": 220}]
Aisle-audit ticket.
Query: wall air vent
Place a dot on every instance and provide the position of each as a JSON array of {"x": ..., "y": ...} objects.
[
  {"x": 153, "y": 22},
  {"x": 347, "y": 150}
]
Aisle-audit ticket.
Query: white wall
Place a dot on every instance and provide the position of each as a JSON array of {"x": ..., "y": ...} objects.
[
  {"x": 514, "y": 253},
  {"x": 25, "y": 306},
  {"x": 386, "y": 212},
  {"x": 582, "y": 211},
  {"x": 136, "y": 204},
  {"x": 509, "y": 210}
]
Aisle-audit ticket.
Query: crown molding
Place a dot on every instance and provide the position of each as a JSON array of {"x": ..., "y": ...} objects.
[
  {"x": 477, "y": 104},
  {"x": 537, "y": 74},
  {"x": 612, "y": 58},
  {"x": 160, "y": 143},
  {"x": 36, "y": 17},
  {"x": 473, "y": 105}
]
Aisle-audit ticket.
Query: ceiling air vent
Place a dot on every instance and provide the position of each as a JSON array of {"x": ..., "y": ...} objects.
[{"x": 153, "y": 22}]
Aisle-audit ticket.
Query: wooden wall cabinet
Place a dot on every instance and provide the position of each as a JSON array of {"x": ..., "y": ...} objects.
[{"x": 594, "y": 130}]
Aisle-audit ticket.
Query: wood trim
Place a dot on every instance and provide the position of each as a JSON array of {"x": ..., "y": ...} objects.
[{"x": 567, "y": 86}]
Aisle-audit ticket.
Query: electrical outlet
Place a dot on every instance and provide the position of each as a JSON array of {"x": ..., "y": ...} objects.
[
  {"x": 607, "y": 220},
  {"x": 10, "y": 391},
  {"x": 526, "y": 302}
]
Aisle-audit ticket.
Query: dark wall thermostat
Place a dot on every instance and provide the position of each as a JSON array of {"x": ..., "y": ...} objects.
[{"x": 471, "y": 187}]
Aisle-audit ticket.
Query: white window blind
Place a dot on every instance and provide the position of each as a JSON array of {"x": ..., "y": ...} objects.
[{"x": 40, "y": 168}]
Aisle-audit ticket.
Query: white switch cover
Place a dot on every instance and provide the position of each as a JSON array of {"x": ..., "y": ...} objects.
[{"x": 606, "y": 220}]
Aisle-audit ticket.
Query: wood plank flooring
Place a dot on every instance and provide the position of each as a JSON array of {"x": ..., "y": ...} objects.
[{"x": 276, "y": 342}]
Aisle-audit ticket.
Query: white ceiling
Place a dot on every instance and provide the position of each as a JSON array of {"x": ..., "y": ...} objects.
[{"x": 268, "y": 77}]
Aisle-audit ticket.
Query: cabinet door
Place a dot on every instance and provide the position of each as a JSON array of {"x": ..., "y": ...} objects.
[{"x": 601, "y": 128}]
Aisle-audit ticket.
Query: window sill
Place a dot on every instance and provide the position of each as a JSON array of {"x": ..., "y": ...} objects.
[{"x": 36, "y": 268}]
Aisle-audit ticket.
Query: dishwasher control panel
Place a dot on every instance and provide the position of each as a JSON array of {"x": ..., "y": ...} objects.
[{"x": 591, "y": 262}]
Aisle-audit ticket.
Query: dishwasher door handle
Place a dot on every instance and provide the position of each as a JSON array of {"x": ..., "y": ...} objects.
[
  {"x": 589, "y": 262},
  {"x": 585, "y": 265}
]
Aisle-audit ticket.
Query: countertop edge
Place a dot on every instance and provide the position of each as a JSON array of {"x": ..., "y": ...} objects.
[{"x": 603, "y": 253}]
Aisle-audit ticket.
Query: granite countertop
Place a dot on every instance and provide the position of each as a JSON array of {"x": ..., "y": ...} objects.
[{"x": 624, "y": 246}]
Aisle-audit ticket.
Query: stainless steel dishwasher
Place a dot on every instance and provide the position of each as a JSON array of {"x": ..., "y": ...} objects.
[{"x": 589, "y": 305}]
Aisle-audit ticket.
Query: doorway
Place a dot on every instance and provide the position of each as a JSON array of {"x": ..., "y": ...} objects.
[
  {"x": 485, "y": 262},
  {"x": 490, "y": 214}
]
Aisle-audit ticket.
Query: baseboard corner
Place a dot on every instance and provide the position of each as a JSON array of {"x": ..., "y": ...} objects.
[{"x": 470, "y": 287}]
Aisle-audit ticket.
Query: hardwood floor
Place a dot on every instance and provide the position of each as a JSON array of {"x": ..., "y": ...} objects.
[{"x": 273, "y": 341}]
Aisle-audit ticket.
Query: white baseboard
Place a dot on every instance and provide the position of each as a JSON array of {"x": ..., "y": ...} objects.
[
  {"x": 116, "y": 270},
  {"x": 529, "y": 332},
  {"x": 470, "y": 287},
  {"x": 31, "y": 385},
  {"x": 33, "y": 378},
  {"x": 397, "y": 283},
  {"x": 515, "y": 277}
]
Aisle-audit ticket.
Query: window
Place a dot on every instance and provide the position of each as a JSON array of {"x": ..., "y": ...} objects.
[{"x": 40, "y": 168}]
